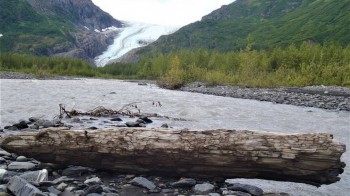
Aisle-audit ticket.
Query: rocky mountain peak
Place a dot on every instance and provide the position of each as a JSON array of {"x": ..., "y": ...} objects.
[{"x": 82, "y": 13}]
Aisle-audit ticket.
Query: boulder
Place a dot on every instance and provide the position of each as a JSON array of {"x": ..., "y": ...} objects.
[{"x": 20, "y": 187}]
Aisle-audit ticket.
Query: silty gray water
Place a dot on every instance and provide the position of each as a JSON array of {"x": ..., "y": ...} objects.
[{"x": 21, "y": 99}]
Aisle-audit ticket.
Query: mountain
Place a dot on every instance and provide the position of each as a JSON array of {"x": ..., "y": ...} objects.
[
  {"x": 263, "y": 24},
  {"x": 69, "y": 28}
]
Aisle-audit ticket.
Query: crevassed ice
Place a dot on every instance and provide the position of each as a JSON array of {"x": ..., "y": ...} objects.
[{"x": 134, "y": 35}]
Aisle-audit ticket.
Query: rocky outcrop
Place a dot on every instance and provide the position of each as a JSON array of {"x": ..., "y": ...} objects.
[
  {"x": 309, "y": 158},
  {"x": 87, "y": 40},
  {"x": 80, "y": 12}
]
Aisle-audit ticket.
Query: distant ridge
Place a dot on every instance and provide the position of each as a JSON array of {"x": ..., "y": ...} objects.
[{"x": 264, "y": 24}]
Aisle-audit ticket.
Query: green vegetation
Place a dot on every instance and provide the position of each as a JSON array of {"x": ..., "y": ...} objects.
[
  {"x": 27, "y": 32},
  {"x": 307, "y": 64},
  {"x": 268, "y": 23},
  {"x": 47, "y": 66}
]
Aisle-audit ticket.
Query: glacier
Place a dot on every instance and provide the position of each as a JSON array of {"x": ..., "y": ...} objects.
[{"x": 133, "y": 35}]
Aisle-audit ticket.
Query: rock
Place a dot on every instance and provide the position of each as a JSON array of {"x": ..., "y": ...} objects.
[
  {"x": 116, "y": 119},
  {"x": 276, "y": 194},
  {"x": 253, "y": 190},
  {"x": 93, "y": 194},
  {"x": 21, "y": 187},
  {"x": 109, "y": 190},
  {"x": 95, "y": 180},
  {"x": 110, "y": 194},
  {"x": 204, "y": 188},
  {"x": 52, "y": 189},
  {"x": 3, "y": 166},
  {"x": 4, "y": 194},
  {"x": 68, "y": 193},
  {"x": 2, "y": 160},
  {"x": 76, "y": 170},
  {"x": 70, "y": 188},
  {"x": 33, "y": 119},
  {"x": 34, "y": 127},
  {"x": 165, "y": 125},
  {"x": 36, "y": 176},
  {"x": 214, "y": 194},
  {"x": 127, "y": 190},
  {"x": 12, "y": 128},
  {"x": 21, "y": 159},
  {"x": 3, "y": 188},
  {"x": 75, "y": 120},
  {"x": 47, "y": 124},
  {"x": 112, "y": 93},
  {"x": 146, "y": 119},
  {"x": 140, "y": 121},
  {"x": 167, "y": 190},
  {"x": 184, "y": 182},
  {"x": 142, "y": 84},
  {"x": 5, "y": 153},
  {"x": 62, "y": 186},
  {"x": 5, "y": 175},
  {"x": 56, "y": 181},
  {"x": 94, "y": 189},
  {"x": 22, "y": 166},
  {"x": 21, "y": 125},
  {"x": 235, "y": 193},
  {"x": 132, "y": 124},
  {"x": 143, "y": 182}
]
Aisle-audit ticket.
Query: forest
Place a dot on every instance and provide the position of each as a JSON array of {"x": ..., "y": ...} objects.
[{"x": 303, "y": 65}]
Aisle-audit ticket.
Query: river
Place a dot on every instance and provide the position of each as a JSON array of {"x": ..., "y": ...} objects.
[{"x": 21, "y": 99}]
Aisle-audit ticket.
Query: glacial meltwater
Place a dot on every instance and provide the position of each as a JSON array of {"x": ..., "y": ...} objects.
[{"x": 21, "y": 99}]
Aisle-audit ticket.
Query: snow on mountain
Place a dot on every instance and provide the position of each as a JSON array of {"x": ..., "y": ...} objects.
[{"x": 133, "y": 35}]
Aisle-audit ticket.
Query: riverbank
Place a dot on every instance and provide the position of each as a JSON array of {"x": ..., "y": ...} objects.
[
  {"x": 21, "y": 99},
  {"x": 29, "y": 76},
  {"x": 20, "y": 175},
  {"x": 325, "y": 97}
]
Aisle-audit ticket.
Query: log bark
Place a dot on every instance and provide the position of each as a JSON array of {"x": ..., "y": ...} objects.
[{"x": 312, "y": 158}]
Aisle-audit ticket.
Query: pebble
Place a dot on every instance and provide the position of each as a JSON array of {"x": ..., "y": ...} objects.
[
  {"x": 23, "y": 166},
  {"x": 62, "y": 186},
  {"x": 143, "y": 182},
  {"x": 95, "y": 180},
  {"x": 184, "y": 182},
  {"x": 253, "y": 190},
  {"x": 75, "y": 170},
  {"x": 204, "y": 188},
  {"x": 21, "y": 159}
]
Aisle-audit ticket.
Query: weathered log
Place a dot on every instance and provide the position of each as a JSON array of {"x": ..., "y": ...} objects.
[{"x": 312, "y": 158}]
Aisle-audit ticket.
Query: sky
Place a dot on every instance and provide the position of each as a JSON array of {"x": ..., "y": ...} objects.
[{"x": 165, "y": 12}]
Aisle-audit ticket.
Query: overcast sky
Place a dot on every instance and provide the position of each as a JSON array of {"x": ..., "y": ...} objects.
[{"x": 170, "y": 12}]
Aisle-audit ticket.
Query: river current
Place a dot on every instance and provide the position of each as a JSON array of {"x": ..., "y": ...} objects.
[{"x": 21, "y": 99}]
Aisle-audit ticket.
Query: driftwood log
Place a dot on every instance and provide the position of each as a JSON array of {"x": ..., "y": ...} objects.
[{"x": 312, "y": 158}]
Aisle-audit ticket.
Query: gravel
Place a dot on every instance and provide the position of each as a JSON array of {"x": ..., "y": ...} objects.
[
  {"x": 19, "y": 75},
  {"x": 325, "y": 97}
]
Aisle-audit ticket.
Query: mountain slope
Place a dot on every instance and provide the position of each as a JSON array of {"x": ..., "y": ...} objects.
[
  {"x": 54, "y": 27},
  {"x": 264, "y": 24}
]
